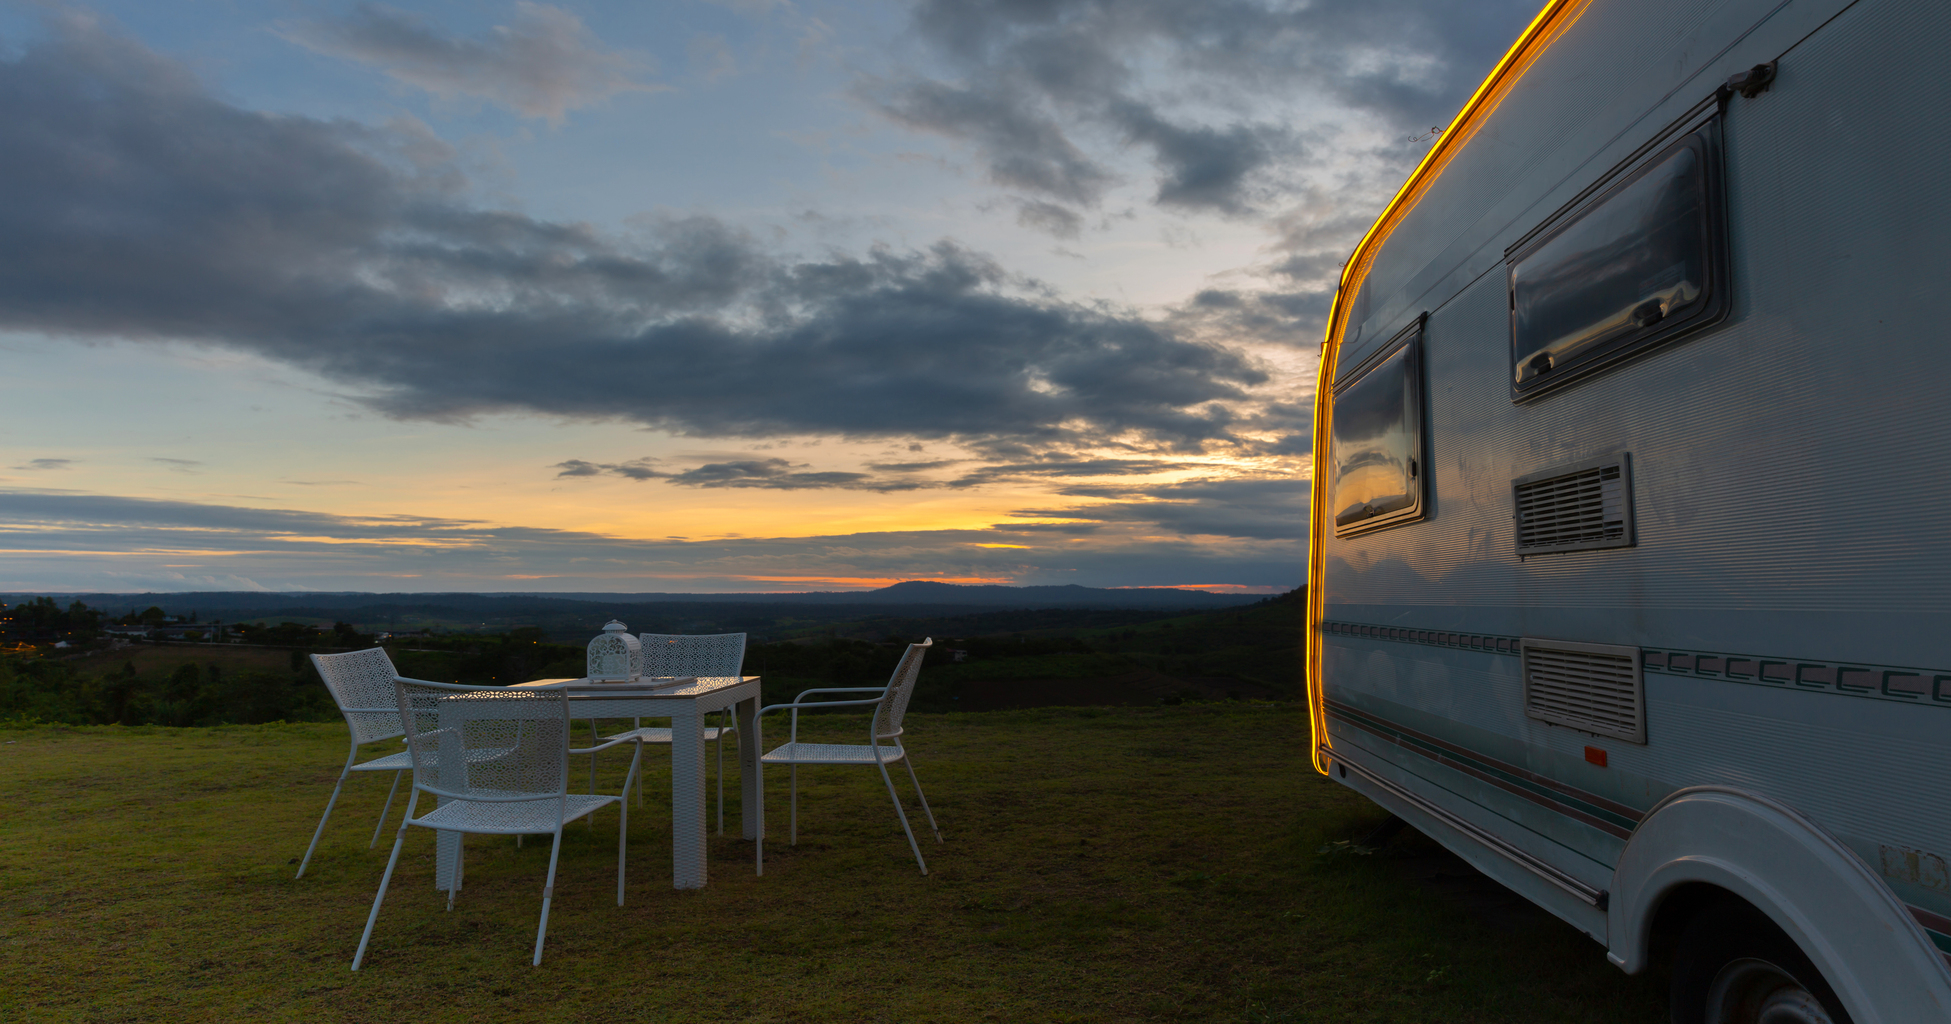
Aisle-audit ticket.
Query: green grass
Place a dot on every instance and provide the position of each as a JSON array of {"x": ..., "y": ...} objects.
[
  {"x": 1048, "y": 666},
  {"x": 162, "y": 659},
  {"x": 1144, "y": 864}
]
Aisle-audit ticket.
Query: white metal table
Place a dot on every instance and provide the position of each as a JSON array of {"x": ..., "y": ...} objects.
[{"x": 685, "y": 702}]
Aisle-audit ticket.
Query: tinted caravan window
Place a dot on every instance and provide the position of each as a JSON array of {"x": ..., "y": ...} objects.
[
  {"x": 1638, "y": 264},
  {"x": 1376, "y": 452}
]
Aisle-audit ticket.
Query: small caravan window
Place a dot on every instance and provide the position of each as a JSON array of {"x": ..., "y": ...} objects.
[
  {"x": 1641, "y": 263},
  {"x": 1376, "y": 441}
]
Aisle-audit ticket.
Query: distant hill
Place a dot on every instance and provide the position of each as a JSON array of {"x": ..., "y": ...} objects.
[
  {"x": 572, "y": 615},
  {"x": 913, "y": 592},
  {"x": 927, "y": 592}
]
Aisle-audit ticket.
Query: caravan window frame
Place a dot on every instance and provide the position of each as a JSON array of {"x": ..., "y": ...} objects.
[
  {"x": 1700, "y": 131},
  {"x": 1408, "y": 344}
]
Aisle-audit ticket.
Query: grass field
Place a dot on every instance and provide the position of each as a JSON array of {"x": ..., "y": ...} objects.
[
  {"x": 162, "y": 659},
  {"x": 1132, "y": 864}
]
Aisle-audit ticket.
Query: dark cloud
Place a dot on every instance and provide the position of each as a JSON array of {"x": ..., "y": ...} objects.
[
  {"x": 1314, "y": 266},
  {"x": 1025, "y": 147},
  {"x": 1260, "y": 509},
  {"x": 1032, "y": 529},
  {"x": 1050, "y": 218},
  {"x": 544, "y": 65},
  {"x": 780, "y": 475},
  {"x": 43, "y": 508},
  {"x": 1064, "y": 468},
  {"x": 46, "y": 464},
  {"x": 785, "y": 475},
  {"x": 1292, "y": 444},
  {"x": 1035, "y": 80},
  {"x": 1200, "y": 167},
  {"x": 635, "y": 469},
  {"x": 1307, "y": 306},
  {"x": 136, "y": 205},
  {"x": 1216, "y": 298},
  {"x": 1278, "y": 317},
  {"x": 765, "y": 474},
  {"x": 913, "y": 467}
]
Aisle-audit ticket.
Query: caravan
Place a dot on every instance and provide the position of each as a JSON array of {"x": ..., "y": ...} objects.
[{"x": 1630, "y": 563}]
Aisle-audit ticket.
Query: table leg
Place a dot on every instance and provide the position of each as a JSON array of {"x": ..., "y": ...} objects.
[
  {"x": 687, "y": 798},
  {"x": 447, "y": 845},
  {"x": 751, "y": 787}
]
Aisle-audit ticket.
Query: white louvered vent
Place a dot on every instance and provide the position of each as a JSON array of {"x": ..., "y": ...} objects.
[
  {"x": 1595, "y": 688},
  {"x": 1572, "y": 509}
]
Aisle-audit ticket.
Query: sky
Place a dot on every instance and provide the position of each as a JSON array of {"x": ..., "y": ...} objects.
[{"x": 749, "y": 295}]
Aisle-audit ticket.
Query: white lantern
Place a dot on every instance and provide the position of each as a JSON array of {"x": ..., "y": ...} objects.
[{"x": 616, "y": 656}]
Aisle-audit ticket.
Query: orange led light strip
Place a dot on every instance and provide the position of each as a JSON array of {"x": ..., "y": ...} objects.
[{"x": 1545, "y": 29}]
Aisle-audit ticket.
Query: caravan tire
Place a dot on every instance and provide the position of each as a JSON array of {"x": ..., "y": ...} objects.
[{"x": 1733, "y": 966}]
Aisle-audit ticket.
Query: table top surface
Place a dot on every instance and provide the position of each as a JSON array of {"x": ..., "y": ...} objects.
[{"x": 677, "y": 688}]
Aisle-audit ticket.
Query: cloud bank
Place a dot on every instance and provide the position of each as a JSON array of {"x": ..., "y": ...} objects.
[
  {"x": 1045, "y": 92},
  {"x": 1298, "y": 116},
  {"x": 139, "y": 206},
  {"x": 63, "y": 540}
]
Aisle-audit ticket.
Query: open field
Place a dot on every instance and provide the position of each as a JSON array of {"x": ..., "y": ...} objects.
[
  {"x": 1130, "y": 864},
  {"x": 162, "y": 659}
]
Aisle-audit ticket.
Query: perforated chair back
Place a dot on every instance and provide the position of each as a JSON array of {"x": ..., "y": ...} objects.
[
  {"x": 900, "y": 687},
  {"x": 361, "y": 683},
  {"x": 508, "y": 742},
  {"x": 711, "y": 655}
]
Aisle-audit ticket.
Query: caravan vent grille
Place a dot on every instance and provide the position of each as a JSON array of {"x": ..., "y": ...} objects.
[
  {"x": 1594, "y": 688},
  {"x": 1587, "y": 507}
]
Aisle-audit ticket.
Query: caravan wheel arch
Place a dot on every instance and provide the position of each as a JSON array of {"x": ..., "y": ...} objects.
[{"x": 1787, "y": 867}]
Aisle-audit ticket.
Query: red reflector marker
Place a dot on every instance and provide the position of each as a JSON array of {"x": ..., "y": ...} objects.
[{"x": 1596, "y": 756}]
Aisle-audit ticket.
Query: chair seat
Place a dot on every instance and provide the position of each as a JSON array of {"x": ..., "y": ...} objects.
[
  {"x": 525, "y": 818},
  {"x": 400, "y": 762},
  {"x": 831, "y": 753},
  {"x": 654, "y": 734}
]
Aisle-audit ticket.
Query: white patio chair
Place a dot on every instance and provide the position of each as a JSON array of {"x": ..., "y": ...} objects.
[
  {"x": 361, "y": 683},
  {"x": 521, "y": 787},
  {"x": 891, "y": 706},
  {"x": 711, "y": 655}
]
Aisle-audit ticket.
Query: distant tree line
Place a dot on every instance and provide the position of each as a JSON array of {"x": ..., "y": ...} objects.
[
  {"x": 45, "y": 614},
  {"x": 39, "y": 690},
  {"x": 1259, "y": 644},
  {"x": 42, "y": 614},
  {"x": 295, "y": 634}
]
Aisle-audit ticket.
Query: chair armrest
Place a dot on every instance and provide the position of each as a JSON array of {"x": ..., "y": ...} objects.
[
  {"x": 795, "y": 705},
  {"x": 840, "y": 689}
]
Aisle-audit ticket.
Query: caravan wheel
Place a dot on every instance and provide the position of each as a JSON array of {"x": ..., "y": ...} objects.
[{"x": 1733, "y": 966}]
